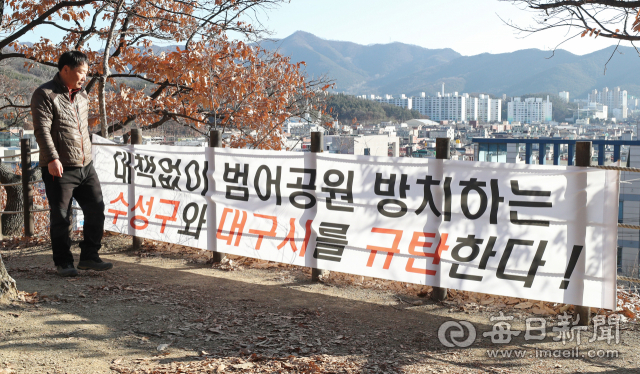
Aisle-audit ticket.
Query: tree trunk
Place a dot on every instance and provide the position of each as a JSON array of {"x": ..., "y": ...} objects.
[
  {"x": 105, "y": 73},
  {"x": 12, "y": 223},
  {"x": 8, "y": 288}
]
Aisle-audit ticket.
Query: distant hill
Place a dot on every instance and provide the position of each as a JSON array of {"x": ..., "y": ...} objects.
[
  {"x": 357, "y": 67},
  {"x": 401, "y": 68}
]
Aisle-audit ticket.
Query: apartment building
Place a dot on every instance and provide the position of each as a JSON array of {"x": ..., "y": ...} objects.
[
  {"x": 472, "y": 107},
  {"x": 489, "y": 110},
  {"x": 616, "y": 100},
  {"x": 402, "y": 101},
  {"x": 448, "y": 107},
  {"x": 531, "y": 110},
  {"x": 564, "y": 95}
]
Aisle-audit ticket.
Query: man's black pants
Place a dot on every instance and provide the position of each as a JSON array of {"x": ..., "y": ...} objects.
[{"x": 82, "y": 184}]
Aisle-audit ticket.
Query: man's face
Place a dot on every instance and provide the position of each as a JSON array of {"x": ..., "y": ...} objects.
[{"x": 74, "y": 78}]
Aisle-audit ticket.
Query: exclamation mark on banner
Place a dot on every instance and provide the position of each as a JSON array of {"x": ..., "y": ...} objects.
[{"x": 573, "y": 260}]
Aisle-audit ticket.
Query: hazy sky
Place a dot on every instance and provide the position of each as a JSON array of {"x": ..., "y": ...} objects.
[{"x": 468, "y": 26}]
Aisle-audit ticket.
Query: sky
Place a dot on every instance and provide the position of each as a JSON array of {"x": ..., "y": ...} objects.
[{"x": 469, "y": 27}]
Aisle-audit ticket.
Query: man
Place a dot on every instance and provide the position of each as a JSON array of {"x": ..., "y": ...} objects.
[{"x": 60, "y": 110}]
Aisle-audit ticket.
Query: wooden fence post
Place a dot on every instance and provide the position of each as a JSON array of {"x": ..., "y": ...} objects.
[
  {"x": 317, "y": 144},
  {"x": 27, "y": 190},
  {"x": 215, "y": 141},
  {"x": 583, "y": 158},
  {"x": 136, "y": 138},
  {"x": 443, "y": 152}
]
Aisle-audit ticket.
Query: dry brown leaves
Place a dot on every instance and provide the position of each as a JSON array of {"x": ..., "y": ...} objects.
[
  {"x": 253, "y": 364},
  {"x": 628, "y": 304},
  {"x": 17, "y": 242}
]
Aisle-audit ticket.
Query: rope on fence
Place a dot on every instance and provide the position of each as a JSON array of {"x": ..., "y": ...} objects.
[
  {"x": 626, "y": 226},
  {"x": 620, "y": 168},
  {"x": 627, "y": 279}
]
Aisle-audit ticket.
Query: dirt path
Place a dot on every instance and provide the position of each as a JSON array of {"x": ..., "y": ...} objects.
[{"x": 208, "y": 320}]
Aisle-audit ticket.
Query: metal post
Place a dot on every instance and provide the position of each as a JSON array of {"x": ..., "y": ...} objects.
[
  {"x": 616, "y": 153},
  {"x": 601, "y": 154},
  {"x": 317, "y": 141},
  {"x": 527, "y": 153},
  {"x": 215, "y": 141},
  {"x": 443, "y": 152},
  {"x": 27, "y": 191},
  {"x": 542, "y": 153},
  {"x": 556, "y": 153},
  {"x": 136, "y": 138},
  {"x": 570, "y": 154},
  {"x": 583, "y": 158}
]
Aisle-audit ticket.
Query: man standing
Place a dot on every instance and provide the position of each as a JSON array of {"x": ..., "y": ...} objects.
[{"x": 60, "y": 110}]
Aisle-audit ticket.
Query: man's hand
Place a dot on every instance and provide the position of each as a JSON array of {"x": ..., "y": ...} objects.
[{"x": 55, "y": 168}]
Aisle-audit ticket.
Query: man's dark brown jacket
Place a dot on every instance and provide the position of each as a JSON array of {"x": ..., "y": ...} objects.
[{"x": 60, "y": 124}]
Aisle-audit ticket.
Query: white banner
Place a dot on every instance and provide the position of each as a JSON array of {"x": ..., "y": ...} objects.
[{"x": 531, "y": 231}]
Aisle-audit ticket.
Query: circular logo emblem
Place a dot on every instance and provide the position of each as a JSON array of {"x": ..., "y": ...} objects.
[{"x": 451, "y": 334}]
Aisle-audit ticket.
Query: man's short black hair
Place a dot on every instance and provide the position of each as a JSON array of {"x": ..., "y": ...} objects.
[{"x": 73, "y": 59}]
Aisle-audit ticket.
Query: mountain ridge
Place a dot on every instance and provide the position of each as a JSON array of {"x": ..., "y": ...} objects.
[{"x": 397, "y": 68}]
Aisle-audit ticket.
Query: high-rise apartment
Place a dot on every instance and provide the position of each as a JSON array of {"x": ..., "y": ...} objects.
[
  {"x": 472, "y": 107},
  {"x": 564, "y": 95},
  {"x": 615, "y": 100},
  {"x": 531, "y": 110},
  {"x": 448, "y": 107}
]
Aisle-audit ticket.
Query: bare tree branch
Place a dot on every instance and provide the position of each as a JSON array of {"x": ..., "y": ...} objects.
[
  {"x": 612, "y": 19},
  {"x": 38, "y": 21}
]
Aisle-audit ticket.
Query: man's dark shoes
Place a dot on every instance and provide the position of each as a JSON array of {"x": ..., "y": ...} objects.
[
  {"x": 96, "y": 264},
  {"x": 66, "y": 270}
]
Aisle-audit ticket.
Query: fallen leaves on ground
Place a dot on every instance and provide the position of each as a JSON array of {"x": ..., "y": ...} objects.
[{"x": 254, "y": 364}]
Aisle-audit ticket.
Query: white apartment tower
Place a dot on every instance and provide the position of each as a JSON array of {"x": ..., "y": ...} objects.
[
  {"x": 564, "y": 95},
  {"x": 496, "y": 110},
  {"x": 483, "y": 108},
  {"x": 448, "y": 107},
  {"x": 402, "y": 101},
  {"x": 472, "y": 107},
  {"x": 531, "y": 110},
  {"x": 489, "y": 110}
]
